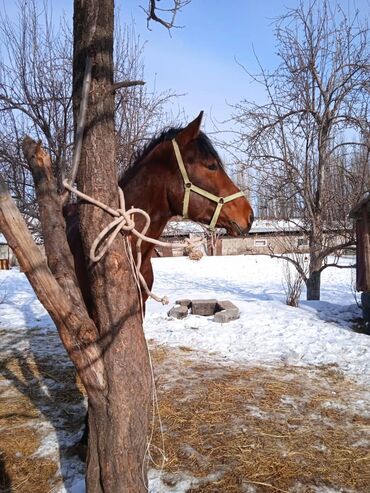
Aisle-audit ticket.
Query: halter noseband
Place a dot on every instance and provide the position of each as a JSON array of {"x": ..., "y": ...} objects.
[{"x": 190, "y": 187}]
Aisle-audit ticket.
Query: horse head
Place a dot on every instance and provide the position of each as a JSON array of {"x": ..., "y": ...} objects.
[{"x": 202, "y": 190}]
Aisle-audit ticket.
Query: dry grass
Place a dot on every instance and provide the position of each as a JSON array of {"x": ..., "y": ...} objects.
[
  {"x": 20, "y": 470},
  {"x": 268, "y": 428},
  {"x": 255, "y": 429},
  {"x": 33, "y": 392}
]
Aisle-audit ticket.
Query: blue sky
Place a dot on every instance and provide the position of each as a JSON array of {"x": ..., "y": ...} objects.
[{"x": 199, "y": 60}]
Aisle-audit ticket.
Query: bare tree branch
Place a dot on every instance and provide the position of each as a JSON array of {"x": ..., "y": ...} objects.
[
  {"x": 127, "y": 83},
  {"x": 64, "y": 312},
  {"x": 153, "y": 9},
  {"x": 349, "y": 266},
  {"x": 293, "y": 262}
]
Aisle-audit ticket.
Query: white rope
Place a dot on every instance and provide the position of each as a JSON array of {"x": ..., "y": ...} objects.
[
  {"x": 80, "y": 128},
  {"x": 124, "y": 221}
]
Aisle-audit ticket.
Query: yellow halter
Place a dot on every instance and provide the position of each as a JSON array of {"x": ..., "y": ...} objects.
[{"x": 190, "y": 187}]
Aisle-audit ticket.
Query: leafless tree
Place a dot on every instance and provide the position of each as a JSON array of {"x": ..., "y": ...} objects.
[
  {"x": 308, "y": 145},
  {"x": 107, "y": 349},
  {"x": 164, "y": 15},
  {"x": 35, "y": 97}
]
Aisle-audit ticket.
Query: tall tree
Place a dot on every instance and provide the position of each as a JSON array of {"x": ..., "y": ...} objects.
[
  {"x": 109, "y": 349},
  {"x": 303, "y": 142},
  {"x": 118, "y": 414}
]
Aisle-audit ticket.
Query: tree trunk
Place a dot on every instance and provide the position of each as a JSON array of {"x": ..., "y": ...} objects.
[
  {"x": 118, "y": 422},
  {"x": 313, "y": 285},
  {"x": 313, "y": 282},
  {"x": 118, "y": 418}
]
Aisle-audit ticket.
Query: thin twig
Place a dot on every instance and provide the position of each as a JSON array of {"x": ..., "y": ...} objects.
[
  {"x": 152, "y": 9},
  {"x": 266, "y": 484}
]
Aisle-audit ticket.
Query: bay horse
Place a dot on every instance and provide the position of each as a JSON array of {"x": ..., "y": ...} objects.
[{"x": 178, "y": 173}]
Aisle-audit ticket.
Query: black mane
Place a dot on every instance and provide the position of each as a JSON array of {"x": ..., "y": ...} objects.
[
  {"x": 204, "y": 144},
  {"x": 166, "y": 134}
]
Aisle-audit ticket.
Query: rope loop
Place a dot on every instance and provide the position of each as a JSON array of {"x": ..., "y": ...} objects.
[{"x": 124, "y": 222}]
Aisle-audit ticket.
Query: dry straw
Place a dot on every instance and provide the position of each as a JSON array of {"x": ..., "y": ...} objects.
[
  {"x": 234, "y": 429},
  {"x": 272, "y": 429}
]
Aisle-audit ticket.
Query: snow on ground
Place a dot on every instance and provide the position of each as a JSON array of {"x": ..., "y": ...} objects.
[
  {"x": 19, "y": 307},
  {"x": 318, "y": 332},
  {"x": 267, "y": 332}
]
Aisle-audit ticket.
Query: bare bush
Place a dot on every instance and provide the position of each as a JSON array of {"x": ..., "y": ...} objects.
[{"x": 292, "y": 282}]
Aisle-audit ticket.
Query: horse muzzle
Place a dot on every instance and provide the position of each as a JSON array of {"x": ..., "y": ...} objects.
[{"x": 237, "y": 230}]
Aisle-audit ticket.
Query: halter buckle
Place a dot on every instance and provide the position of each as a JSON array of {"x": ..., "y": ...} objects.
[
  {"x": 221, "y": 200},
  {"x": 188, "y": 184}
]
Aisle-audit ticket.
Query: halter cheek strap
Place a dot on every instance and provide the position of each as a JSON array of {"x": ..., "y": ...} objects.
[{"x": 190, "y": 187}]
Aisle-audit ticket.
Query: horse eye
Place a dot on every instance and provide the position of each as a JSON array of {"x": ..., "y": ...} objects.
[{"x": 212, "y": 166}]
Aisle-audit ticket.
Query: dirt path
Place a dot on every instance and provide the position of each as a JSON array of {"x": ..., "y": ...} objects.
[{"x": 226, "y": 428}]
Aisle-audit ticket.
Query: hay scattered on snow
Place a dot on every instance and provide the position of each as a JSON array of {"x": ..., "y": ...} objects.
[
  {"x": 20, "y": 470},
  {"x": 272, "y": 429},
  {"x": 238, "y": 429},
  {"x": 33, "y": 391}
]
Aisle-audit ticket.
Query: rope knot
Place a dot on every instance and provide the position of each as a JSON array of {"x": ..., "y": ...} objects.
[{"x": 124, "y": 222}]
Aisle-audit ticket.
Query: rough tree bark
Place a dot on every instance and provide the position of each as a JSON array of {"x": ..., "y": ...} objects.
[{"x": 118, "y": 418}]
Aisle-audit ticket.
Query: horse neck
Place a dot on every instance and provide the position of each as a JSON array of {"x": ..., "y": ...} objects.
[{"x": 143, "y": 190}]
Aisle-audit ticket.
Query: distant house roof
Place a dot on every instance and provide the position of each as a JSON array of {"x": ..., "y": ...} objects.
[
  {"x": 185, "y": 228},
  {"x": 276, "y": 225}
]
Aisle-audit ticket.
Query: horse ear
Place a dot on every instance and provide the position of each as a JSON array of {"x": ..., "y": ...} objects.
[{"x": 190, "y": 132}]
